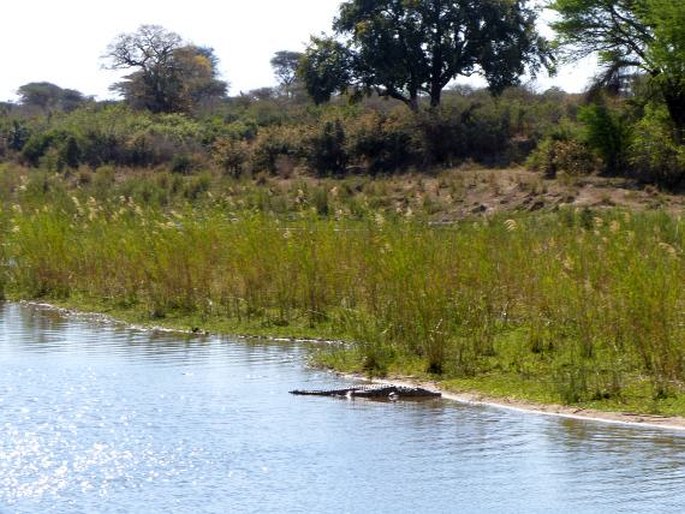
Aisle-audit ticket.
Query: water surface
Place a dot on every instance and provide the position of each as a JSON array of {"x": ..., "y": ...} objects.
[{"x": 98, "y": 418}]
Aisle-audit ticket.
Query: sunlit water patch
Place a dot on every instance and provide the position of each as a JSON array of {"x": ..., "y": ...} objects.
[{"x": 97, "y": 418}]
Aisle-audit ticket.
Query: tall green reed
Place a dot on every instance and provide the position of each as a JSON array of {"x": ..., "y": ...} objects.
[{"x": 586, "y": 301}]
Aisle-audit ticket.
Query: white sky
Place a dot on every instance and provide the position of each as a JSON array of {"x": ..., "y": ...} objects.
[{"x": 62, "y": 41}]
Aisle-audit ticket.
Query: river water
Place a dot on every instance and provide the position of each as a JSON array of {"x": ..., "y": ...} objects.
[{"x": 97, "y": 418}]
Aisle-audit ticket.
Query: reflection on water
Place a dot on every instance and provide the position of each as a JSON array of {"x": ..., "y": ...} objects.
[{"x": 96, "y": 418}]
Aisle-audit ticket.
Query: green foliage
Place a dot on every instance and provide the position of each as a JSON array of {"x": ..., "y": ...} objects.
[
  {"x": 273, "y": 144},
  {"x": 285, "y": 64},
  {"x": 231, "y": 155},
  {"x": 35, "y": 148},
  {"x": 479, "y": 128},
  {"x": 654, "y": 155},
  {"x": 403, "y": 49},
  {"x": 562, "y": 154},
  {"x": 382, "y": 143},
  {"x": 16, "y": 135},
  {"x": 608, "y": 131},
  {"x": 585, "y": 302},
  {"x": 615, "y": 28},
  {"x": 442, "y": 136},
  {"x": 114, "y": 135},
  {"x": 646, "y": 34},
  {"x": 249, "y": 136},
  {"x": 328, "y": 154},
  {"x": 325, "y": 69},
  {"x": 56, "y": 145},
  {"x": 70, "y": 152},
  {"x": 667, "y": 53}
]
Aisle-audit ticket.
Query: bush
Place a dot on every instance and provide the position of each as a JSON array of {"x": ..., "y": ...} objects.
[
  {"x": 327, "y": 154},
  {"x": 231, "y": 155},
  {"x": 443, "y": 137},
  {"x": 69, "y": 153},
  {"x": 383, "y": 142},
  {"x": 607, "y": 131},
  {"x": 115, "y": 135},
  {"x": 568, "y": 156},
  {"x": 487, "y": 131},
  {"x": 36, "y": 147},
  {"x": 275, "y": 142},
  {"x": 13, "y": 135},
  {"x": 654, "y": 154}
]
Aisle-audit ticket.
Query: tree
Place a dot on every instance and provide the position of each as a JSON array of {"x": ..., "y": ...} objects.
[
  {"x": 48, "y": 96},
  {"x": 644, "y": 34},
  {"x": 71, "y": 99},
  {"x": 325, "y": 68},
  {"x": 198, "y": 84},
  {"x": 150, "y": 50},
  {"x": 407, "y": 48},
  {"x": 170, "y": 76},
  {"x": 666, "y": 55},
  {"x": 285, "y": 64}
]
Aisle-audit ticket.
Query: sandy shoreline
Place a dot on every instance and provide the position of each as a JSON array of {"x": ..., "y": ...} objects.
[
  {"x": 622, "y": 418},
  {"x": 619, "y": 418},
  {"x": 469, "y": 398}
]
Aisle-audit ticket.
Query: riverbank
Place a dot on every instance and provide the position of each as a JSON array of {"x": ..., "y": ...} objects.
[
  {"x": 467, "y": 397},
  {"x": 565, "y": 305},
  {"x": 623, "y": 418},
  {"x": 563, "y": 411}
]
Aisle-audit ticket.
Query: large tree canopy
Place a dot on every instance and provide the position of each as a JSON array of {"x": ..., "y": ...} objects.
[
  {"x": 645, "y": 34},
  {"x": 406, "y": 48},
  {"x": 169, "y": 76}
]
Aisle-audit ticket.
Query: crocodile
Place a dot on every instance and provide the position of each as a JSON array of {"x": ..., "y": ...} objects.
[{"x": 389, "y": 392}]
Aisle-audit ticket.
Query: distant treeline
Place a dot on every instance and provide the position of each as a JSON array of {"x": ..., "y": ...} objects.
[
  {"x": 267, "y": 133},
  {"x": 277, "y": 135},
  {"x": 374, "y": 97}
]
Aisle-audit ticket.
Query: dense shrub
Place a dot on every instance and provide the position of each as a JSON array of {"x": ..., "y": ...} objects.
[
  {"x": 565, "y": 155},
  {"x": 327, "y": 154},
  {"x": 655, "y": 156},
  {"x": 35, "y": 148},
  {"x": 487, "y": 132},
  {"x": 442, "y": 137},
  {"x": 607, "y": 131},
  {"x": 231, "y": 155},
  {"x": 14, "y": 133},
  {"x": 382, "y": 142},
  {"x": 274, "y": 143},
  {"x": 114, "y": 135}
]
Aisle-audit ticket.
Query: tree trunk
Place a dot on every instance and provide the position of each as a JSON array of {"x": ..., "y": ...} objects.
[{"x": 436, "y": 95}]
